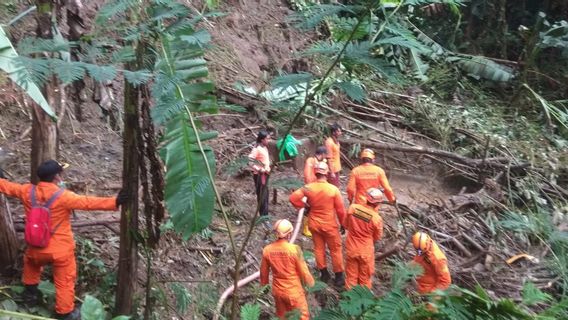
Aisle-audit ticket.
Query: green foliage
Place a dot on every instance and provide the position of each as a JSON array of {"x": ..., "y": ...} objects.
[
  {"x": 182, "y": 296},
  {"x": 179, "y": 89},
  {"x": 18, "y": 73},
  {"x": 93, "y": 309},
  {"x": 356, "y": 300},
  {"x": 250, "y": 311},
  {"x": 533, "y": 295},
  {"x": 394, "y": 305},
  {"x": 403, "y": 273}
]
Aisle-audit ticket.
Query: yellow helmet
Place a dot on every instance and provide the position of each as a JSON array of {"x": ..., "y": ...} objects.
[
  {"x": 283, "y": 228},
  {"x": 321, "y": 168},
  {"x": 374, "y": 195},
  {"x": 421, "y": 242},
  {"x": 368, "y": 153}
]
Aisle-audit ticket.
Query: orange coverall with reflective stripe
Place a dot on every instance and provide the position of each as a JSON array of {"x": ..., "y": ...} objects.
[
  {"x": 364, "y": 226},
  {"x": 326, "y": 206},
  {"x": 436, "y": 273},
  {"x": 309, "y": 169},
  {"x": 333, "y": 154},
  {"x": 289, "y": 271},
  {"x": 364, "y": 177},
  {"x": 61, "y": 248}
]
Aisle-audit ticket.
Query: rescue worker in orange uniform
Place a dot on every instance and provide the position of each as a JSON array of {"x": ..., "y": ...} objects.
[
  {"x": 334, "y": 154},
  {"x": 365, "y": 176},
  {"x": 311, "y": 163},
  {"x": 436, "y": 274},
  {"x": 260, "y": 164},
  {"x": 289, "y": 271},
  {"x": 60, "y": 251},
  {"x": 364, "y": 226},
  {"x": 326, "y": 214},
  {"x": 309, "y": 177}
]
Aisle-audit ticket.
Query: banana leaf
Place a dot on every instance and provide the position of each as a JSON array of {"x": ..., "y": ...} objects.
[{"x": 8, "y": 65}]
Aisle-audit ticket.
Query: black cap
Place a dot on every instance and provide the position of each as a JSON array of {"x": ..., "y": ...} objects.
[{"x": 48, "y": 169}]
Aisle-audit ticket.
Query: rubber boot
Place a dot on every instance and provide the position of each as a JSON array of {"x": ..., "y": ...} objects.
[
  {"x": 339, "y": 279},
  {"x": 32, "y": 295},
  {"x": 73, "y": 315},
  {"x": 324, "y": 275},
  {"x": 305, "y": 230}
]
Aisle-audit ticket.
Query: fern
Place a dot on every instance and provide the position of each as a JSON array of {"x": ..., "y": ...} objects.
[
  {"x": 533, "y": 295},
  {"x": 403, "y": 273},
  {"x": 328, "y": 314},
  {"x": 250, "y": 312},
  {"x": 200, "y": 38},
  {"x": 137, "y": 77},
  {"x": 124, "y": 54},
  {"x": 356, "y": 300},
  {"x": 68, "y": 72},
  {"x": 484, "y": 68},
  {"x": 292, "y": 80},
  {"x": 394, "y": 305},
  {"x": 114, "y": 8},
  {"x": 101, "y": 73},
  {"x": 353, "y": 90},
  {"x": 318, "y": 13},
  {"x": 182, "y": 296}
]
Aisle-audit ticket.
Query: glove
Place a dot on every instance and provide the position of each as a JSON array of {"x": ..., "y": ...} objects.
[
  {"x": 2, "y": 176},
  {"x": 121, "y": 197}
]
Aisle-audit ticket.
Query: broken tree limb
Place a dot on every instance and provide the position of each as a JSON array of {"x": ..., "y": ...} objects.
[{"x": 500, "y": 163}]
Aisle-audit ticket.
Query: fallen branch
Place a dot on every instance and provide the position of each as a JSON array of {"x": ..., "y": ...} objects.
[{"x": 499, "y": 163}]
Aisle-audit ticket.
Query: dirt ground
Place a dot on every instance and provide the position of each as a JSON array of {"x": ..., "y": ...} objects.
[{"x": 249, "y": 45}]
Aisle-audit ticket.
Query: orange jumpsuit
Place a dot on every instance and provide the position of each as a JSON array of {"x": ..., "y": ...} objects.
[
  {"x": 334, "y": 159},
  {"x": 60, "y": 251},
  {"x": 364, "y": 177},
  {"x": 326, "y": 206},
  {"x": 364, "y": 226},
  {"x": 309, "y": 169},
  {"x": 436, "y": 273},
  {"x": 289, "y": 271}
]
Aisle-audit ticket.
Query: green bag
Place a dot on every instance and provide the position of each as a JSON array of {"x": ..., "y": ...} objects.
[{"x": 290, "y": 148}]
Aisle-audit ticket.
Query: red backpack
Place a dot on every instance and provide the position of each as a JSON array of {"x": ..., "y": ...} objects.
[{"x": 38, "y": 221}]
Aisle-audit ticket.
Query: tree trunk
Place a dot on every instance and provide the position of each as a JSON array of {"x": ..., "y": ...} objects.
[
  {"x": 8, "y": 241},
  {"x": 44, "y": 129},
  {"x": 128, "y": 256}
]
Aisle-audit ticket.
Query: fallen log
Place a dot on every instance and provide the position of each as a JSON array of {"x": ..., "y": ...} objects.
[{"x": 497, "y": 163}]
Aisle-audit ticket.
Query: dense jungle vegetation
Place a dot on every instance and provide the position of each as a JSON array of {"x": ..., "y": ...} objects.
[{"x": 483, "y": 84}]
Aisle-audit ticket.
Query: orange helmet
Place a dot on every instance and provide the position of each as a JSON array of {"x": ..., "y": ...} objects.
[
  {"x": 421, "y": 242},
  {"x": 321, "y": 168},
  {"x": 283, "y": 228},
  {"x": 374, "y": 195},
  {"x": 368, "y": 153}
]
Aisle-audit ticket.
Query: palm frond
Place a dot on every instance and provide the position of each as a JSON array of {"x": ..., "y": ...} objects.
[
  {"x": 137, "y": 77},
  {"x": 9, "y": 63},
  {"x": 394, "y": 305},
  {"x": 114, "y": 8},
  {"x": 317, "y": 14},
  {"x": 31, "y": 45},
  {"x": 124, "y": 54},
  {"x": 533, "y": 295},
  {"x": 291, "y": 80},
  {"x": 67, "y": 72},
  {"x": 353, "y": 90},
  {"x": 101, "y": 73}
]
